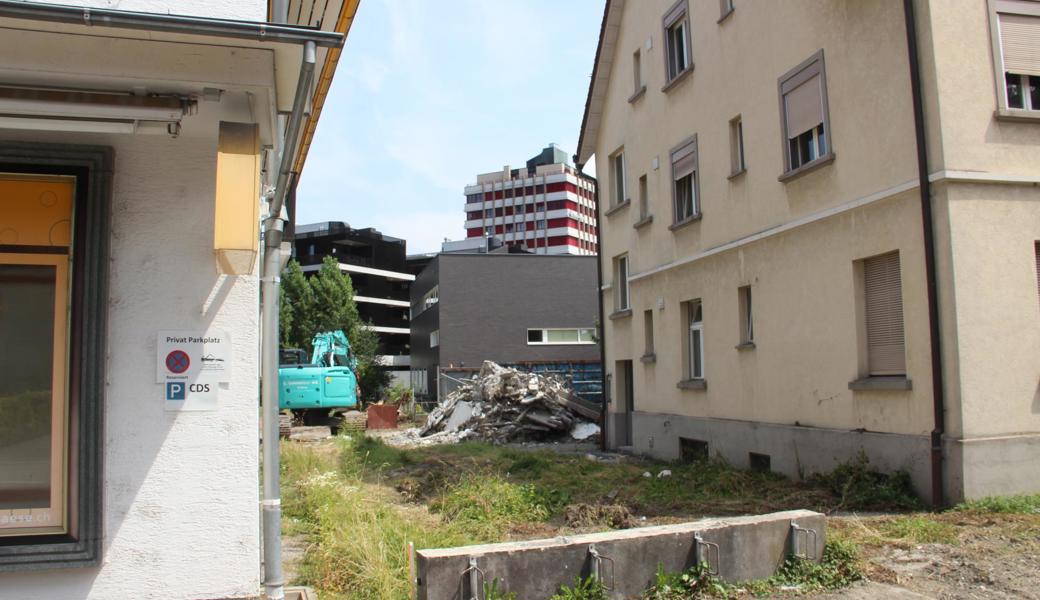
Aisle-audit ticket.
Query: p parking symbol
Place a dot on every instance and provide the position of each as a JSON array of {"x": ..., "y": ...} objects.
[{"x": 175, "y": 390}]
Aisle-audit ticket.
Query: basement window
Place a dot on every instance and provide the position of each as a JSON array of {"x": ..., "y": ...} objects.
[
  {"x": 691, "y": 450},
  {"x": 759, "y": 462}
]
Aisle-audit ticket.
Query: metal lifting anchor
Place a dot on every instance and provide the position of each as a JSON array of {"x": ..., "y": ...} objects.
[
  {"x": 704, "y": 552},
  {"x": 477, "y": 580},
  {"x": 596, "y": 567},
  {"x": 803, "y": 542}
]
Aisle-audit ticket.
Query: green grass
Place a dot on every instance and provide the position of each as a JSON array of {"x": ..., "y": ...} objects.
[
  {"x": 585, "y": 588},
  {"x": 359, "y": 535},
  {"x": 346, "y": 496},
  {"x": 920, "y": 529},
  {"x": 1025, "y": 504},
  {"x": 488, "y": 505}
]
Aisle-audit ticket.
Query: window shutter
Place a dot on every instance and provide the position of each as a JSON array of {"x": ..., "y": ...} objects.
[
  {"x": 804, "y": 107},
  {"x": 684, "y": 161},
  {"x": 1020, "y": 43},
  {"x": 886, "y": 348}
]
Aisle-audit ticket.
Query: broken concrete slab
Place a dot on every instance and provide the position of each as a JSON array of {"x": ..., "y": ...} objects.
[
  {"x": 502, "y": 404},
  {"x": 738, "y": 548}
]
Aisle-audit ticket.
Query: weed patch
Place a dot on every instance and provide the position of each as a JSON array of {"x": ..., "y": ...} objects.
[
  {"x": 860, "y": 487},
  {"x": 583, "y": 589},
  {"x": 1021, "y": 504},
  {"x": 488, "y": 505},
  {"x": 920, "y": 529},
  {"x": 839, "y": 568}
]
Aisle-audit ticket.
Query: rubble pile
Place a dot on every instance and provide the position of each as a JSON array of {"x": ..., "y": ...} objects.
[{"x": 507, "y": 405}]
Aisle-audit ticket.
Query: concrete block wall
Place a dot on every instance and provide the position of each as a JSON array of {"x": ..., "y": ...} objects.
[{"x": 748, "y": 548}]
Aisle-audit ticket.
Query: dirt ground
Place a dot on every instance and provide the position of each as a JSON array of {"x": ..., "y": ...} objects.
[
  {"x": 992, "y": 556},
  {"x": 981, "y": 556}
]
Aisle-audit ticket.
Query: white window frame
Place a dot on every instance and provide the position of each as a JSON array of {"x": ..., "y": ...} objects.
[
  {"x": 694, "y": 366},
  {"x": 694, "y": 200},
  {"x": 585, "y": 336},
  {"x": 822, "y": 148},
  {"x": 676, "y": 19},
  {"x": 435, "y": 338},
  {"x": 1004, "y": 109}
]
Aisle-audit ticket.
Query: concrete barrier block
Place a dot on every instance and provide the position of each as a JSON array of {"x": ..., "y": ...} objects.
[{"x": 741, "y": 548}]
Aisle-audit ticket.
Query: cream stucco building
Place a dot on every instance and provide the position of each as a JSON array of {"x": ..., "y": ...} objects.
[
  {"x": 142, "y": 145},
  {"x": 766, "y": 195}
]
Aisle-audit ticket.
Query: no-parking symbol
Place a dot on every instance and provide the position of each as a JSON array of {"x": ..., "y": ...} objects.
[{"x": 177, "y": 362}]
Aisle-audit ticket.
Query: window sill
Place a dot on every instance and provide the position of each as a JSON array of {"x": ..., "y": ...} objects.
[
  {"x": 826, "y": 159},
  {"x": 648, "y": 358},
  {"x": 692, "y": 384},
  {"x": 725, "y": 15},
  {"x": 644, "y": 221},
  {"x": 881, "y": 383},
  {"x": 736, "y": 174},
  {"x": 620, "y": 314},
  {"x": 690, "y": 219},
  {"x": 617, "y": 207},
  {"x": 637, "y": 95},
  {"x": 745, "y": 346},
  {"x": 678, "y": 79},
  {"x": 1020, "y": 115}
]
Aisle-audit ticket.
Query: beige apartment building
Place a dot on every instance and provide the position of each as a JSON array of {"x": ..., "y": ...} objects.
[{"x": 771, "y": 294}]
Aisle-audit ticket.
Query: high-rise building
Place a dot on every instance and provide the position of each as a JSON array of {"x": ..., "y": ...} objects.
[{"x": 549, "y": 207}]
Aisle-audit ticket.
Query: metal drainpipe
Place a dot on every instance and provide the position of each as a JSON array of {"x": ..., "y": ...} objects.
[
  {"x": 602, "y": 323},
  {"x": 938, "y": 400},
  {"x": 274, "y": 582}
]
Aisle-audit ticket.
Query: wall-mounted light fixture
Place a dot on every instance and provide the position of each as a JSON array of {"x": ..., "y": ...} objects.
[{"x": 83, "y": 111}]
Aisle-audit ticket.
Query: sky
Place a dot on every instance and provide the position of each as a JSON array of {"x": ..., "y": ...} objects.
[{"x": 430, "y": 94}]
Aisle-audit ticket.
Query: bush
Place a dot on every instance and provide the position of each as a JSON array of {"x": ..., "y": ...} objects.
[
  {"x": 861, "y": 488},
  {"x": 695, "y": 582},
  {"x": 839, "y": 568}
]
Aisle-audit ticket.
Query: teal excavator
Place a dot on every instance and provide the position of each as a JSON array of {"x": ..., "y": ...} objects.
[{"x": 319, "y": 392}]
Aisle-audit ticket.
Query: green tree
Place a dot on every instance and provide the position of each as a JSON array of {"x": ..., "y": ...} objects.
[
  {"x": 296, "y": 309},
  {"x": 325, "y": 302}
]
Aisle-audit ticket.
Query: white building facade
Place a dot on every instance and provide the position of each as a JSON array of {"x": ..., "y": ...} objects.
[{"x": 135, "y": 149}]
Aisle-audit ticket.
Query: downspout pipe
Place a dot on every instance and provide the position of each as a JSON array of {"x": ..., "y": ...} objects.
[
  {"x": 274, "y": 580},
  {"x": 602, "y": 322},
  {"x": 932, "y": 282}
]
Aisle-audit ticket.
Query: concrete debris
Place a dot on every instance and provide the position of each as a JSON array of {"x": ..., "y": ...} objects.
[
  {"x": 506, "y": 405},
  {"x": 647, "y": 474},
  {"x": 664, "y": 473},
  {"x": 584, "y": 430}
]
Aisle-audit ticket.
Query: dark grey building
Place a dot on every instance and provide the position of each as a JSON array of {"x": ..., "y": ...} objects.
[{"x": 533, "y": 310}]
